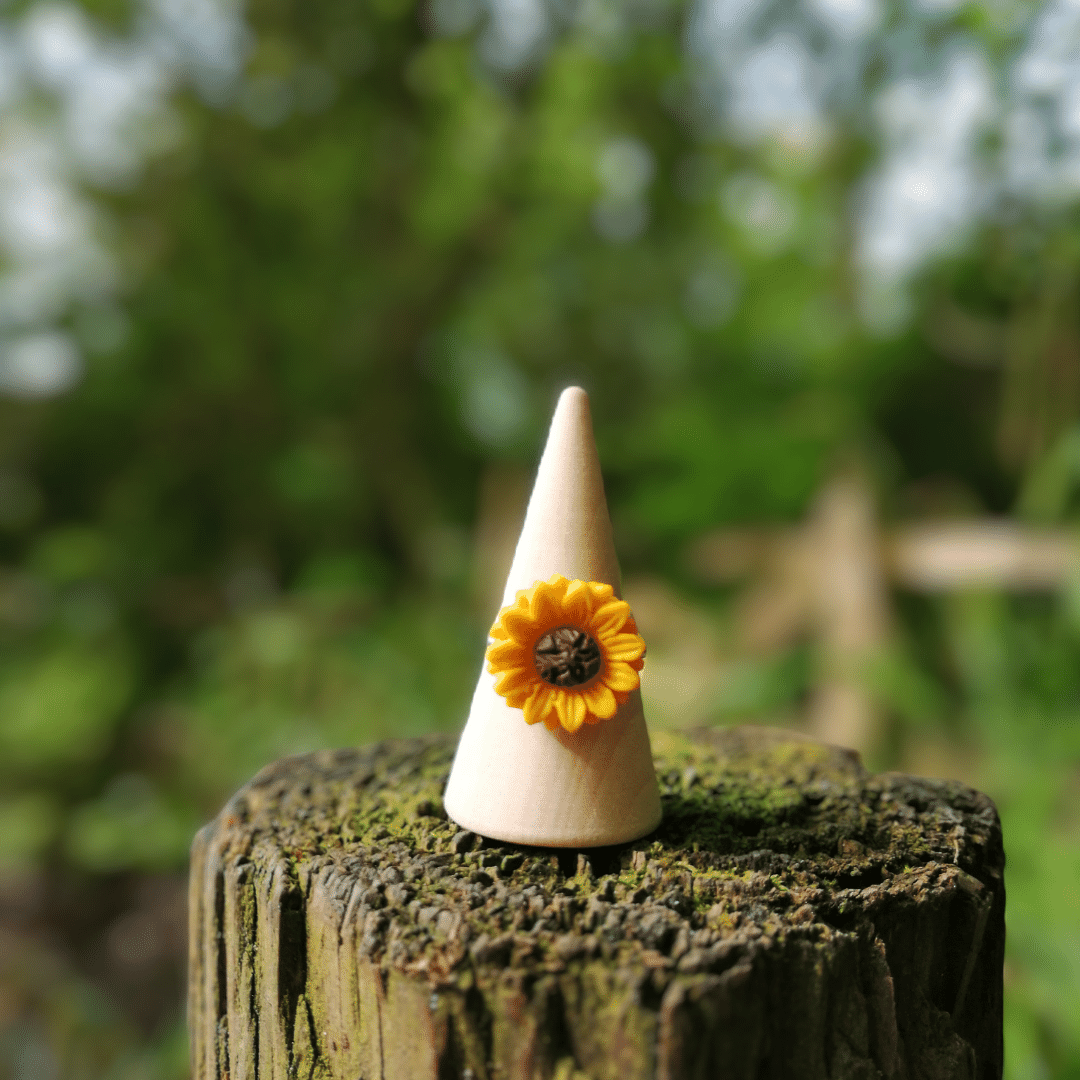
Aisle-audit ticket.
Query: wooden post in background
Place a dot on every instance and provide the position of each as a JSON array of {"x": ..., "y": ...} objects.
[
  {"x": 849, "y": 611},
  {"x": 829, "y": 579}
]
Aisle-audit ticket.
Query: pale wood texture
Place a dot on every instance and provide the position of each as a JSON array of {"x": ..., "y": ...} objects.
[
  {"x": 567, "y": 529},
  {"x": 793, "y": 917},
  {"x": 525, "y": 784},
  {"x": 950, "y": 556},
  {"x": 933, "y": 557},
  {"x": 830, "y": 579},
  {"x": 850, "y": 611}
]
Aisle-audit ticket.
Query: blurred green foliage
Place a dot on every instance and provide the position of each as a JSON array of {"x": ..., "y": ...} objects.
[{"x": 247, "y": 532}]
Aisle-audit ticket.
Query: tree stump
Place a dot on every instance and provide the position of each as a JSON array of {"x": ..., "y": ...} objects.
[{"x": 792, "y": 918}]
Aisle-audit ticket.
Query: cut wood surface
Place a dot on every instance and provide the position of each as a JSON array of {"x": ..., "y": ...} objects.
[{"x": 792, "y": 917}]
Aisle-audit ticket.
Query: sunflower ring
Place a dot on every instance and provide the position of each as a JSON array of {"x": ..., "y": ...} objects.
[{"x": 566, "y": 652}]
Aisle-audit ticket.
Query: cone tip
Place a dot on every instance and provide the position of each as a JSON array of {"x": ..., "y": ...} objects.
[
  {"x": 572, "y": 396},
  {"x": 572, "y": 415}
]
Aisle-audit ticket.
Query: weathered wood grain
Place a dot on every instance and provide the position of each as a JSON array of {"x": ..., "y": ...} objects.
[{"x": 792, "y": 917}]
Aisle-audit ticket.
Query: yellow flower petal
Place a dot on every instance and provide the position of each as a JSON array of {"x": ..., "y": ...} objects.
[
  {"x": 601, "y": 592},
  {"x": 515, "y": 686},
  {"x": 621, "y": 677},
  {"x": 502, "y": 655},
  {"x": 558, "y": 704},
  {"x": 513, "y": 679},
  {"x": 545, "y": 605},
  {"x": 624, "y": 647},
  {"x": 609, "y": 619},
  {"x": 518, "y": 624},
  {"x": 600, "y": 702},
  {"x": 577, "y": 606},
  {"x": 537, "y": 705},
  {"x": 574, "y": 711}
]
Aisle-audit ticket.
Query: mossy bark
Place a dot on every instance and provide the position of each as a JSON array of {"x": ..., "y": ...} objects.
[{"x": 793, "y": 917}]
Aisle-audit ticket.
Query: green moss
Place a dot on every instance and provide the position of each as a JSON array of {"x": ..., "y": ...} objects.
[
  {"x": 748, "y": 820},
  {"x": 767, "y": 842}
]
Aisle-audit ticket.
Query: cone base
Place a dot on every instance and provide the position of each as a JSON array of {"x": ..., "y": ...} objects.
[{"x": 524, "y": 784}]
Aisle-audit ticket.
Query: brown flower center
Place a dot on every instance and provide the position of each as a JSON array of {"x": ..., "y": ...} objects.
[{"x": 567, "y": 656}]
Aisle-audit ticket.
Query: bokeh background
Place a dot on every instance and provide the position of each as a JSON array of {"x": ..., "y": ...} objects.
[{"x": 287, "y": 292}]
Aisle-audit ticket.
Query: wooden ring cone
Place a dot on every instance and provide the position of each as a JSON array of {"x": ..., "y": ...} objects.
[{"x": 523, "y": 783}]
